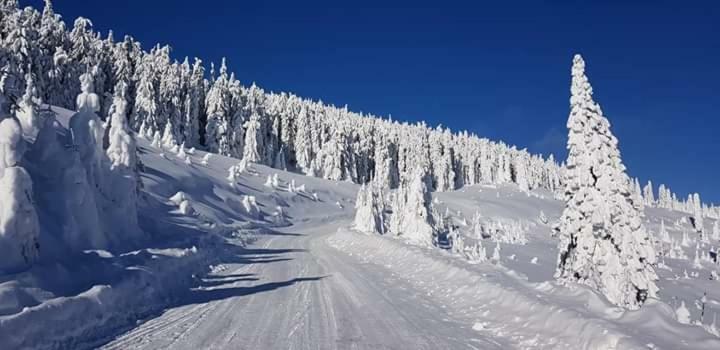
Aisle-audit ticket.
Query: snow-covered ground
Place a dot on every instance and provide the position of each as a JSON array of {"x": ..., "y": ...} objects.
[
  {"x": 184, "y": 249},
  {"x": 266, "y": 260},
  {"x": 220, "y": 272}
]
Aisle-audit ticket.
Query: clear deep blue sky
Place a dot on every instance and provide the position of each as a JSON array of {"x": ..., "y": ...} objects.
[{"x": 500, "y": 69}]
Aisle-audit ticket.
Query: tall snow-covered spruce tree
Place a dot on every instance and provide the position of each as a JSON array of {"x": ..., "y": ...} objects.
[{"x": 603, "y": 243}]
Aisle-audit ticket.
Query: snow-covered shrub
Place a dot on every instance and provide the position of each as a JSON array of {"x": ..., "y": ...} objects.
[
  {"x": 185, "y": 207},
  {"x": 273, "y": 181},
  {"x": 279, "y": 217},
  {"x": 682, "y": 313},
  {"x": 235, "y": 172},
  {"x": 181, "y": 151},
  {"x": 506, "y": 231},
  {"x": 664, "y": 235},
  {"x": 499, "y": 229},
  {"x": 206, "y": 159},
  {"x": 685, "y": 239},
  {"x": 178, "y": 198},
  {"x": 183, "y": 202},
  {"x": 496, "y": 253},
  {"x": 156, "y": 140},
  {"x": 456, "y": 240},
  {"x": 251, "y": 208},
  {"x": 478, "y": 231},
  {"x": 543, "y": 218},
  {"x": 476, "y": 253},
  {"x": 168, "y": 138}
]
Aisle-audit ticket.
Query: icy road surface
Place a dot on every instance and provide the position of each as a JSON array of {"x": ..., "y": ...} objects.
[{"x": 299, "y": 293}]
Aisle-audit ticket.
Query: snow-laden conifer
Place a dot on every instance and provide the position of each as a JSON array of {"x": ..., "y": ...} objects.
[
  {"x": 19, "y": 226},
  {"x": 369, "y": 210},
  {"x": 603, "y": 243}
]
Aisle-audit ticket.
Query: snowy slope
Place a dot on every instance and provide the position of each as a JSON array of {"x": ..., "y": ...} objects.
[
  {"x": 78, "y": 298},
  {"x": 516, "y": 298},
  {"x": 217, "y": 272}
]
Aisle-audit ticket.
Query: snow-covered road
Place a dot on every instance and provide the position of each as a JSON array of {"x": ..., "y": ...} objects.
[{"x": 299, "y": 293}]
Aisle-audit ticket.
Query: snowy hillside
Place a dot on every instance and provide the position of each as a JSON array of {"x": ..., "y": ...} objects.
[
  {"x": 193, "y": 218},
  {"x": 214, "y": 265},
  {"x": 147, "y": 203}
]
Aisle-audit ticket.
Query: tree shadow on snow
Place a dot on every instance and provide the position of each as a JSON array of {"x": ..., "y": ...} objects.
[
  {"x": 202, "y": 296},
  {"x": 213, "y": 282}
]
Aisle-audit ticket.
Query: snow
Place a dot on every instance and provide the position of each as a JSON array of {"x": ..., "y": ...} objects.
[
  {"x": 10, "y": 143},
  {"x": 209, "y": 279},
  {"x": 100, "y": 292},
  {"x": 19, "y": 226},
  {"x": 527, "y": 314},
  {"x": 401, "y": 236}
]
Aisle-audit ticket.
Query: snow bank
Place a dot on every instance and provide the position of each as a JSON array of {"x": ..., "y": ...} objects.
[
  {"x": 152, "y": 279},
  {"x": 533, "y": 315}
]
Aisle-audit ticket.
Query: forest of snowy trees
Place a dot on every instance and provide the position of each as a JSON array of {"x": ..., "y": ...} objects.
[
  {"x": 188, "y": 104},
  {"x": 151, "y": 94}
]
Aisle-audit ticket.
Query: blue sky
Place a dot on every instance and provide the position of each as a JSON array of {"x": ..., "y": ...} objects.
[{"x": 500, "y": 69}]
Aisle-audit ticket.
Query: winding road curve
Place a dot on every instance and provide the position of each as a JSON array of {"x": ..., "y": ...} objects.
[{"x": 300, "y": 293}]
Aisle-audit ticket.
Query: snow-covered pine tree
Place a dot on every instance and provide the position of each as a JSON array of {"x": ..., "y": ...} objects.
[
  {"x": 27, "y": 113},
  {"x": 168, "y": 137},
  {"x": 51, "y": 37},
  {"x": 123, "y": 175},
  {"x": 648, "y": 194},
  {"x": 520, "y": 167},
  {"x": 664, "y": 235},
  {"x": 217, "y": 104},
  {"x": 441, "y": 155},
  {"x": 663, "y": 198},
  {"x": 122, "y": 149},
  {"x": 697, "y": 212},
  {"x": 368, "y": 215},
  {"x": 19, "y": 226},
  {"x": 411, "y": 217},
  {"x": 637, "y": 193},
  {"x": 146, "y": 104},
  {"x": 252, "y": 139},
  {"x": 194, "y": 104},
  {"x": 603, "y": 243},
  {"x": 254, "y": 120},
  {"x": 303, "y": 147}
]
